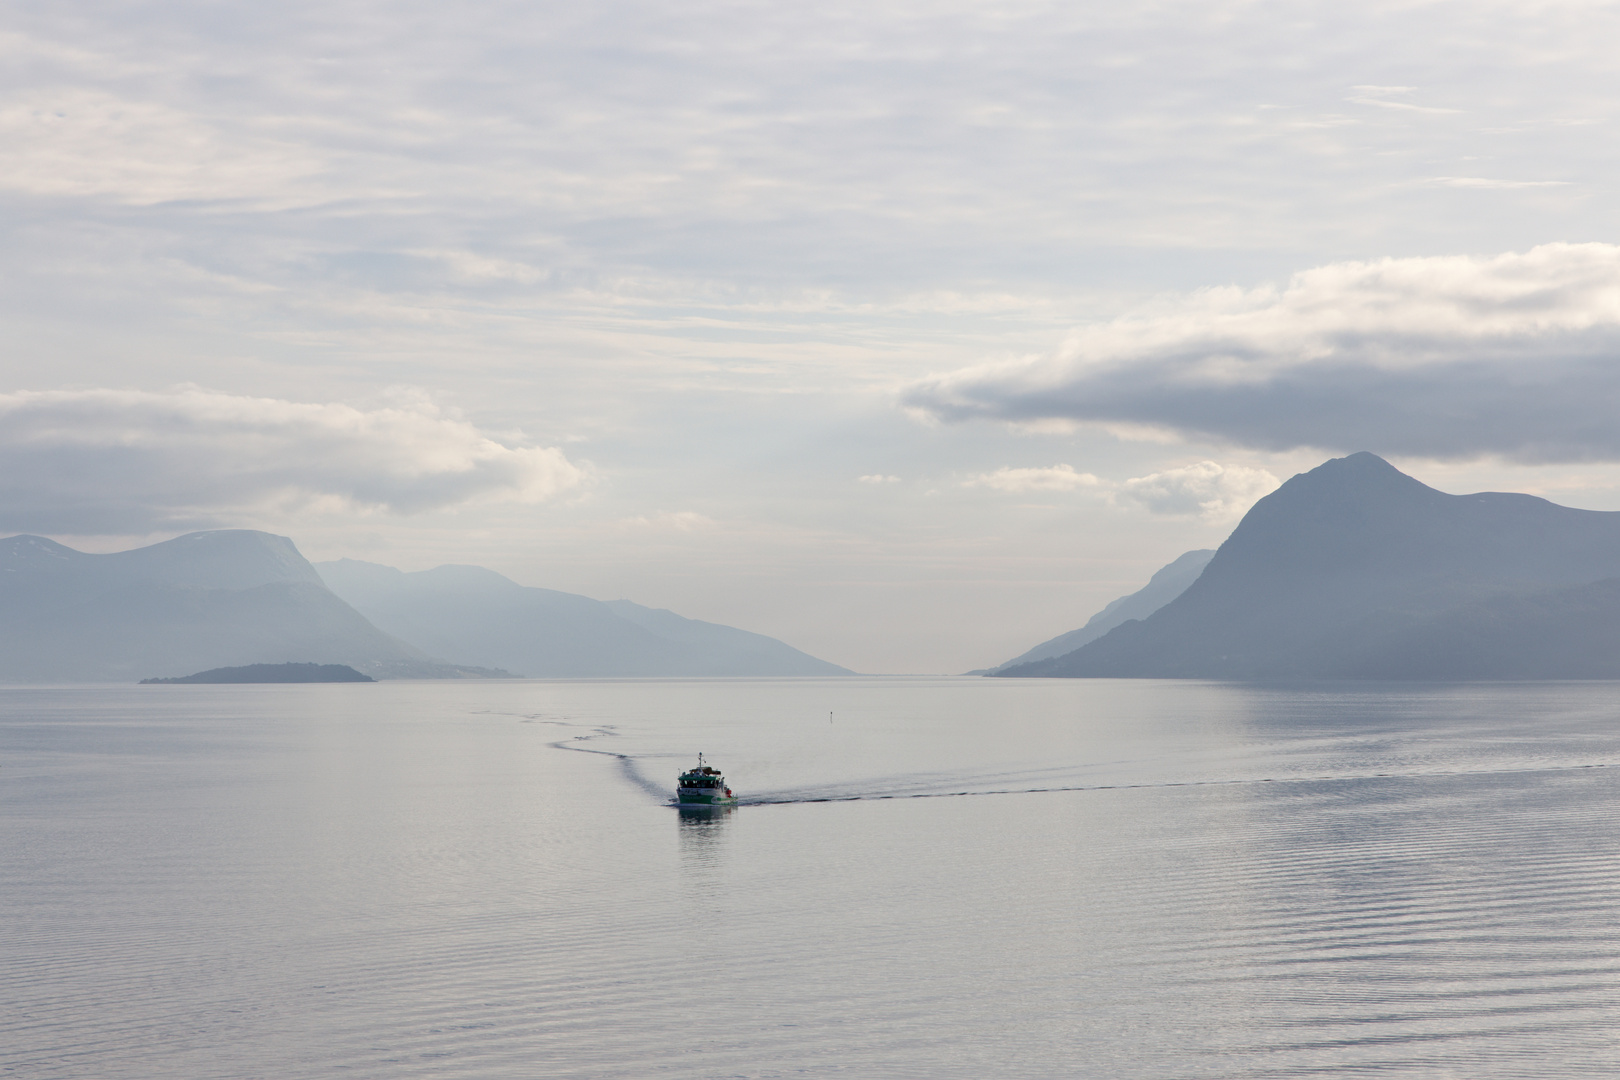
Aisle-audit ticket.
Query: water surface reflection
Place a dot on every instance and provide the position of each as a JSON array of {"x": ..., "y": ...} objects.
[{"x": 702, "y": 831}]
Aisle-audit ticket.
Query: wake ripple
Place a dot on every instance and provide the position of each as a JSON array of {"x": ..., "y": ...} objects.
[
  {"x": 797, "y": 797},
  {"x": 628, "y": 767},
  {"x": 920, "y": 788}
]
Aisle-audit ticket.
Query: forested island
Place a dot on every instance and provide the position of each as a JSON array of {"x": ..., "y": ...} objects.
[{"x": 272, "y": 673}]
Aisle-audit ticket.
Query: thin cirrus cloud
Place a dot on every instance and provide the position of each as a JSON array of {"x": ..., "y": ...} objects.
[
  {"x": 1053, "y": 478},
  {"x": 1486, "y": 183},
  {"x": 1204, "y": 489},
  {"x": 1380, "y": 96},
  {"x": 88, "y": 142},
  {"x": 124, "y": 461},
  {"x": 1516, "y": 355}
]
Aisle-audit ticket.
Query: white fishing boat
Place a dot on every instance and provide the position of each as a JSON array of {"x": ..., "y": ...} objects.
[{"x": 702, "y": 785}]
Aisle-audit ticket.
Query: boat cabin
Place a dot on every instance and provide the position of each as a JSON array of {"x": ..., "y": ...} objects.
[{"x": 704, "y": 777}]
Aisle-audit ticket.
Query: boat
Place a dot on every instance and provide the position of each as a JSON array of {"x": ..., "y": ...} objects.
[{"x": 702, "y": 785}]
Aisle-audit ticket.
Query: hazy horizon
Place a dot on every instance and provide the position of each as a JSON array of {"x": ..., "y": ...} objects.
[{"x": 908, "y": 336}]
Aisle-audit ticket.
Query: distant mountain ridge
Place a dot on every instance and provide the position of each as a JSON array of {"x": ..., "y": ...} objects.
[
  {"x": 241, "y": 598},
  {"x": 1167, "y": 583},
  {"x": 1356, "y": 570},
  {"x": 204, "y": 600},
  {"x": 463, "y": 612},
  {"x": 233, "y": 559}
]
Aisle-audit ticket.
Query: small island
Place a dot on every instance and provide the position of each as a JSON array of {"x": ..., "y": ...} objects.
[{"x": 272, "y": 673}]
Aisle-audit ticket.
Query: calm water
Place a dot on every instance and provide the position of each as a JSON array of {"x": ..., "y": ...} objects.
[{"x": 944, "y": 878}]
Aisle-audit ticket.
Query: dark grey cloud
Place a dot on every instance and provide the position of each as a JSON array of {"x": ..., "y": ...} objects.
[
  {"x": 120, "y": 462},
  {"x": 1517, "y": 356}
]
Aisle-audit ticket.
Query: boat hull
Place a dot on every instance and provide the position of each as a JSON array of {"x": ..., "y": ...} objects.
[{"x": 704, "y": 798}]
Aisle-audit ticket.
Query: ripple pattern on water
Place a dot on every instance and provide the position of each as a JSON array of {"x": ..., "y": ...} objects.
[{"x": 1145, "y": 881}]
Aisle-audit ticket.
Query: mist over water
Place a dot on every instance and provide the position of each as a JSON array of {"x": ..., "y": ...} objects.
[{"x": 947, "y": 877}]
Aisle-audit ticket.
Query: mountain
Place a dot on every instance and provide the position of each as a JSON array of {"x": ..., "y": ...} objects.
[
  {"x": 205, "y": 600},
  {"x": 474, "y": 615},
  {"x": 1164, "y": 586},
  {"x": 1356, "y": 570}
]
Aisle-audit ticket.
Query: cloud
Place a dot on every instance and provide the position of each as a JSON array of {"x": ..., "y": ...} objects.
[
  {"x": 684, "y": 521},
  {"x": 1210, "y": 490},
  {"x": 80, "y": 142},
  {"x": 1206, "y": 489},
  {"x": 1055, "y": 478},
  {"x": 127, "y": 461},
  {"x": 1516, "y": 355},
  {"x": 878, "y": 478},
  {"x": 1404, "y": 106},
  {"x": 1493, "y": 185},
  {"x": 1379, "y": 96}
]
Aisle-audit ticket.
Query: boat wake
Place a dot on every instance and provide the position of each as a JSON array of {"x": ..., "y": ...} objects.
[
  {"x": 962, "y": 786},
  {"x": 627, "y": 762},
  {"x": 797, "y": 797}
]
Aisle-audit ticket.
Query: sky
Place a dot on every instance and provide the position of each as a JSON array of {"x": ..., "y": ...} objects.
[{"x": 911, "y": 334}]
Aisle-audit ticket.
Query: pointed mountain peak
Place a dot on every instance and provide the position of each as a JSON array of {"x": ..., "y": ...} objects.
[
  {"x": 1360, "y": 469},
  {"x": 1355, "y": 568},
  {"x": 1358, "y": 485},
  {"x": 1361, "y": 459}
]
